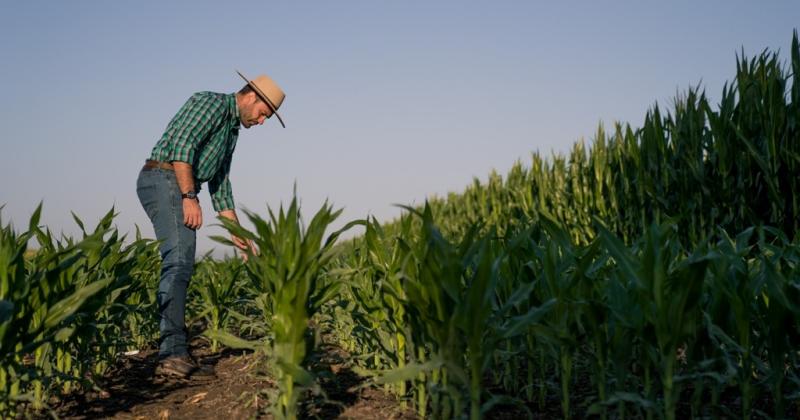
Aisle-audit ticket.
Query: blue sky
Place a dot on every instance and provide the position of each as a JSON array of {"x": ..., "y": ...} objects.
[{"x": 387, "y": 102}]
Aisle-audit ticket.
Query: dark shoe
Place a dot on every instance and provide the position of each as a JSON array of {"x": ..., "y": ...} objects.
[{"x": 184, "y": 367}]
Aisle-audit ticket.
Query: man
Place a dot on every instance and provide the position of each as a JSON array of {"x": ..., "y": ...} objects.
[{"x": 197, "y": 147}]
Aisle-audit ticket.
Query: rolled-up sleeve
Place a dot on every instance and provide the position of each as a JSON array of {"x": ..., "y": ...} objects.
[
  {"x": 220, "y": 188},
  {"x": 193, "y": 123}
]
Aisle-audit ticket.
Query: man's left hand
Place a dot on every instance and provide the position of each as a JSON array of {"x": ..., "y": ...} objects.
[{"x": 244, "y": 246}]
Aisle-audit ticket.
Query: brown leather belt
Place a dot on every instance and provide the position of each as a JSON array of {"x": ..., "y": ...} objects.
[{"x": 150, "y": 164}]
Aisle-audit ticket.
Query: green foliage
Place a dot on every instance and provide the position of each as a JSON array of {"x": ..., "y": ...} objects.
[
  {"x": 614, "y": 263},
  {"x": 290, "y": 283},
  {"x": 700, "y": 166},
  {"x": 655, "y": 260},
  {"x": 219, "y": 286},
  {"x": 62, "y": 308}
]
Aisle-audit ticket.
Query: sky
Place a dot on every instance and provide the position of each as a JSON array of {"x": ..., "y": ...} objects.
[{"x": 386, "y": 102}]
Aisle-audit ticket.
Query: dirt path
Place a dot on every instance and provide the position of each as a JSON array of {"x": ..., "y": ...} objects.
[{"x": 130, "y": 391}]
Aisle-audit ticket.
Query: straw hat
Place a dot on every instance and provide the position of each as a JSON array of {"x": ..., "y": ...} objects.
[{"x": 268, "y": 91}]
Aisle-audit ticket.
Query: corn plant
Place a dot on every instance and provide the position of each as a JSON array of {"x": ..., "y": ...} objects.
[
  {"x": 288, "y": 273},
  {"x": 60, "y": 307},
  {"x": 141, "y": 303},
  {"x": 217, "y": 283},
  {"x": 668, "y": 288},
  {"x": 449, "y": 296},
  {"x": 375, "y": 281},
  {"x": 778, "y": 302}
]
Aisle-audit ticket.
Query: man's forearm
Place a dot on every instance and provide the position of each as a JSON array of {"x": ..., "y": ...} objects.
[{"x": 183, "y": 173}]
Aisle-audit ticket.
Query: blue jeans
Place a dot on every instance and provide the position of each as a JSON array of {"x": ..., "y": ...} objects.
[{"x": 160, "y": 196}]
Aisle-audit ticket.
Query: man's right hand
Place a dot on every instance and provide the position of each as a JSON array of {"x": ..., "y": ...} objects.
[{"x": 192, "y": 214}]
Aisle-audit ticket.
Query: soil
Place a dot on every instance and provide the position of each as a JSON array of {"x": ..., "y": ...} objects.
[{"x": 239, "y": 391}]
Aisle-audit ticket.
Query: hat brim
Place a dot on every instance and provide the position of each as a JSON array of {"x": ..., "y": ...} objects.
[{"x": 264, "y": 97}]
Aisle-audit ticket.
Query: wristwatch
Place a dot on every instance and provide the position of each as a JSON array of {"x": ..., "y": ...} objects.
[{"x": 190, "y": 195}]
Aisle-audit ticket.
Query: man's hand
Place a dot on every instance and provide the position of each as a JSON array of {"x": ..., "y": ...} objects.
[
  {"x": 240, "y": 243},
  {"x": 192, "y": 214},
  {"x": 243, "y": 246}
]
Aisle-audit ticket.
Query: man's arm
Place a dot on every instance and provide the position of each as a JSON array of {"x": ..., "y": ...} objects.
[
  {"x": 192, "y": 213},
  {"x": 219, "y": 187}
]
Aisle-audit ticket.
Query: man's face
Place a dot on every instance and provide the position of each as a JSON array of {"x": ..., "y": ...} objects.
[{"x": 255, "y": 111}]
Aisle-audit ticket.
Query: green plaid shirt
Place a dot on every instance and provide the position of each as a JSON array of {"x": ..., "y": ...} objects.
[{"x": 203, "y": 134}]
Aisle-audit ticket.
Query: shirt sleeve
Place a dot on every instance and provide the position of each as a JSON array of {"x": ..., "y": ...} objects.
[
  {"x": 192, "y": 125},
  {"x": 220, "y": 188}
]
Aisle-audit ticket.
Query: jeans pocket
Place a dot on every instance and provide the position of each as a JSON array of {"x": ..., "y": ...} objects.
[{"x": 146, "y": 189}]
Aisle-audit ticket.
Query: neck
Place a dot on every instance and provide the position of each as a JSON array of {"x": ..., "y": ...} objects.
[{"x": 240, "y": 101}]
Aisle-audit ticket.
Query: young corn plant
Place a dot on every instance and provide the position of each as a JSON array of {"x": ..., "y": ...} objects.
[
  {"x": 218, "y": 286},
  {"x": 288, "y": 272},
  {"x": 780, "y": 273},
  {"x": 141, "y": 304},
  {"x": 564, "y": 270},
  {"x": 516, "y": 292},
  {"x": 100, "y": 338},
  {"x": 385, "y": 307},
  {"x": 451, "y": 303},
  {"x": 668, "y": 287},
  {"x": 55, "y": 307},
  {"x": 733, "y": 309},
  {"x": 752, "y": 313}
]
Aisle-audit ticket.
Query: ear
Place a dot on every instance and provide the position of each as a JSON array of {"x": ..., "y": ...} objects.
[{"x": 252, "y": 97}]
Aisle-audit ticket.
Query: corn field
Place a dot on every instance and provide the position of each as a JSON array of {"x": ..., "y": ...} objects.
[{"x": 648, "y": 276}]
